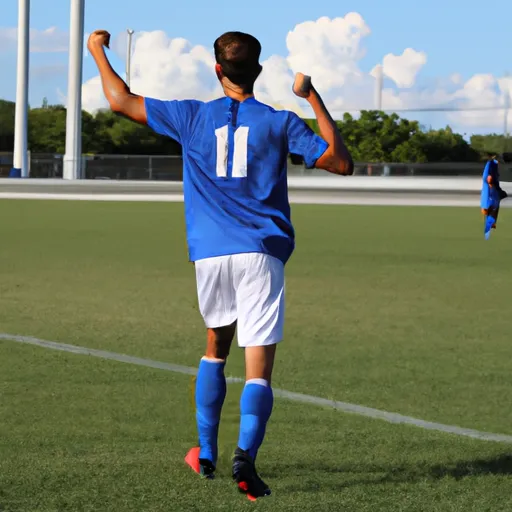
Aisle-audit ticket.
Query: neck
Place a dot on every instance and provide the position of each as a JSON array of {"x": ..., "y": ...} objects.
[{"x": 235, "y": 92}]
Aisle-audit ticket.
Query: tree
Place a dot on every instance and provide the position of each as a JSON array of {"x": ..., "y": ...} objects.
[
  {"x": 7, "y": 109},
  {"x": 373, "y": 137},
  {"x": 104, "y": 133},
  {"x": 47, "y": 129},
  {"x": 377, "y": 137},
  {"x": 446, "y": 146},
  {"x": 114, "y": 134},
  {"x": 491, "y": 144}
]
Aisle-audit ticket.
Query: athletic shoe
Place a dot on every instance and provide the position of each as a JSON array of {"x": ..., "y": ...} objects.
[
  {"x": 202, "y": 467},
  {"x": 246, "y": 476}
]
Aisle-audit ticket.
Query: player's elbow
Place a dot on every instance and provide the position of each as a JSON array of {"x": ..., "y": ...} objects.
[
  {"x": 130, "y": 106},
  {"x": 117, "y": 105},
  {"x": 336, "y": 162},
  {"x": 346, "y": 166},
  {"x": 118, "y": 98},
  {"x": 340, "y": 160},
  {"x": 343, "y": 165}
]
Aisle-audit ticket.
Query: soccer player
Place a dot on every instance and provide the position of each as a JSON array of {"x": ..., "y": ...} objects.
[
  {"x": 239, "y": 231},
  {"x": 491, "y": 195}
]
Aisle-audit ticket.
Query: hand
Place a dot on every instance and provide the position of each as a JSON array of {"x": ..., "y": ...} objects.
[
  {"x": 98, "y": 39},
  {"x": 302, "y": 86}
]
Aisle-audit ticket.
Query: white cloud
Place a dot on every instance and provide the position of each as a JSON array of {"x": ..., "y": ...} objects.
[
  {"x": 164, "y": 68},
  {"x": 92, "y": 95},
  {"x": 331, "y": 51},
  {"x": 50, "y": 40},
  {"x": 482, "y": 91},
  {"x": 403, "y": 69},
  {"x": 328, "y": 50}
]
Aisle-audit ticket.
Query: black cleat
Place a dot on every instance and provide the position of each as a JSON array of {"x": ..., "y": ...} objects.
[
  {"x": 246, "y": 476},
  {"x": 207, "y": 469}
]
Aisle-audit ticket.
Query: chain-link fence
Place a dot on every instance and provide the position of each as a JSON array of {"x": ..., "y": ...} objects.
[{"x": 169, "y": 168}]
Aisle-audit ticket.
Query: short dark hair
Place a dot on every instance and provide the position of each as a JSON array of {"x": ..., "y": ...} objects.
[{"x": 238, "y": 55}]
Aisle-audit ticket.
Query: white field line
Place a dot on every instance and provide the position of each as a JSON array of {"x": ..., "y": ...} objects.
[{"x": 289, "y": 395}]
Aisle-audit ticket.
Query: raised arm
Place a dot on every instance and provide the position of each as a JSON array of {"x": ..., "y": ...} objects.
[
  {"x": 337, "y": 158},
  {"x": 116, "y": 91}
]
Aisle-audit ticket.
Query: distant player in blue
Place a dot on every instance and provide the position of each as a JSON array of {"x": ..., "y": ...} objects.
[
  {"x": 491, "y": 195},
  {"x": 239, "y": 231}
]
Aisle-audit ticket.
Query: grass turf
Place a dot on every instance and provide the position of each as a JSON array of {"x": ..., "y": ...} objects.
[{"x": 403, "y": 309}]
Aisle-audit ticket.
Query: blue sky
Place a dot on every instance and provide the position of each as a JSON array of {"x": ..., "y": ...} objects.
[{"x": 452, "y": 33}]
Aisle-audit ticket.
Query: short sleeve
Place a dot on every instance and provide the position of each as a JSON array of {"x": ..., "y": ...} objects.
[
  {"x": 303, "y": 141},
  {"x": 172, "y": 118}
]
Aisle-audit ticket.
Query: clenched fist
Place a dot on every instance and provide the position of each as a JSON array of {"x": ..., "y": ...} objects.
[
  {"x": 302, "y": 85},
  {"x": 98, "y": 39}
]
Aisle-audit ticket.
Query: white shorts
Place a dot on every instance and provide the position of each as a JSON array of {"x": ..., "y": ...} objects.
[{"x": 247, "y": 288}]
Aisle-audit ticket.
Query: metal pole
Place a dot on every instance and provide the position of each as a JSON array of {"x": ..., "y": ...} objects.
[
  {"x": 506, "y": 104},
  {"x": 129, "y": 56},
  {"x": 505, "y": 121},
  {"x": 379, "y": 83},
  {"x": 73, "y": 154},
  {"x": 20, "y": 157}
]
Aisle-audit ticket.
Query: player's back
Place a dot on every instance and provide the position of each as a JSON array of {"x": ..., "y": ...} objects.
[
  {"x": 235, "y": 172},
  {"x": 235, "y": 179}
]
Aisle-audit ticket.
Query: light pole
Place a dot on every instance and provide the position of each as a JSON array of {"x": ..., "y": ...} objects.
[
  {"x": 506, "y": 104},
  {"x": 129, "y": 56},
  {"x": 73, "y": 156},
  {"x": 379, "y": 81},
  {"x": 20, "y": 157}
]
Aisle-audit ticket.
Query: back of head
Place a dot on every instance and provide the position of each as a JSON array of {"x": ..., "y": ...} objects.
[{"x": 238, "y": 56}]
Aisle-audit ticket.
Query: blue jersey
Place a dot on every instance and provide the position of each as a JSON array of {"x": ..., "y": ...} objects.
[
  {"x": 489, "y": 196},
  {"x": 235, "y": 158}
]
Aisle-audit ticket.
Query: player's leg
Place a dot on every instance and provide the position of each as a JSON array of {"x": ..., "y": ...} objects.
[
  {"x": 210, "y": 392},
  {"x": 256, "y": 405},
  {"x": 496, "y": 217},
  {"x": 260, "y": 305},
  {"x": 257, "y": 398},
  {"x": 218, "y": 307}
]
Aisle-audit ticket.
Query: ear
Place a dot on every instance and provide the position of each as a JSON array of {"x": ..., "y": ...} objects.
[{"x": 218, "y": 72}]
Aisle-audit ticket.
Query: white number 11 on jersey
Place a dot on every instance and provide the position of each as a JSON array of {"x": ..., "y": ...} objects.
[{"x": 239, "y": 153}]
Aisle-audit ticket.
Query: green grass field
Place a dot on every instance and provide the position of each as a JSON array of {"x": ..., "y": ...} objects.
[{"x": 401, "y": 309}]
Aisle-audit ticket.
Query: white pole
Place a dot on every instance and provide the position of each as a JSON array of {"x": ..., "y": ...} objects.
[
  {"x": 379, "y": 82},
  {"x": 129, "y": 56},
  {"x": 20, "y": 157},
  {"x": 72, "y": 158},
  {"x": 506, "y": 104}
]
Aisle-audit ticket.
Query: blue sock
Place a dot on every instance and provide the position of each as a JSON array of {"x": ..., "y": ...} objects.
[
  {"x": 256, "y": 405},
  {"x": 210, "y": 395}
]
